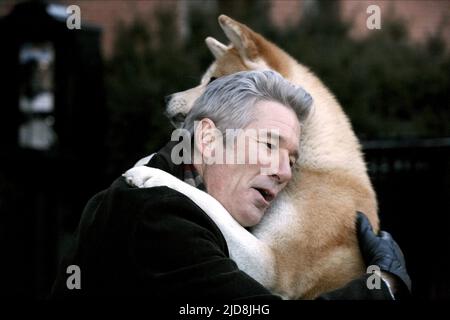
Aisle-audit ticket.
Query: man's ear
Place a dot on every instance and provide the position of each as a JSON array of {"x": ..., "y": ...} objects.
[{"x": 205, "y": 136}]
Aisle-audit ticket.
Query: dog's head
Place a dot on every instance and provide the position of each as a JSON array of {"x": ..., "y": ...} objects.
[{"x": 247, "y": 51}]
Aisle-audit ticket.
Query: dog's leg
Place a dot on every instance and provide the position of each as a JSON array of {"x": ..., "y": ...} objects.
[{"x": 251, "y": 255}]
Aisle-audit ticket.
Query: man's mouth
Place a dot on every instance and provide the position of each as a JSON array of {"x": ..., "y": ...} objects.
[{"x": 267, "y": 194}]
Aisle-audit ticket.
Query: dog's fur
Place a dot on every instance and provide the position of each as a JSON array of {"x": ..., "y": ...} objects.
[{"x": 306, "y": 243}]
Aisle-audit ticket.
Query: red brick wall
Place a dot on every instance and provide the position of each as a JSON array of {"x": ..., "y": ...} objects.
[
  {"x": 286, "y": 12},
  {"x": 107, "y": 14},
  {"x": 423, "y": 17}
]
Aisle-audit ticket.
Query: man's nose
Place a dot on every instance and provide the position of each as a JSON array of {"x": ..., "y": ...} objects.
[{"x": 284, "y": 170}]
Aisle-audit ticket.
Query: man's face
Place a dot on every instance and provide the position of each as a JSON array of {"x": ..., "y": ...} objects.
[{"x": 246, "y": 190}]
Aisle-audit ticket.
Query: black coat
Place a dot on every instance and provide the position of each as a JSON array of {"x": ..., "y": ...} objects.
[{"x": 157, "y": 243}]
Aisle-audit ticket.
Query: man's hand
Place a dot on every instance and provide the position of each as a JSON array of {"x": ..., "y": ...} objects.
[{"x": 381, "y": 250}]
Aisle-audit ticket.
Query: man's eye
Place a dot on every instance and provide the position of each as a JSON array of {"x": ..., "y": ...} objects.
[
  {"x": 269, "y": 145},
  {"x": 292, "y": 162}
]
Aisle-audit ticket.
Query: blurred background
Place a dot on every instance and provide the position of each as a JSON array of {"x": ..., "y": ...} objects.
[{"x": 78, "y": 107}]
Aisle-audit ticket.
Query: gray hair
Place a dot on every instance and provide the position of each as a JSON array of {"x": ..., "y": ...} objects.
[{"x": 229, "y": 101}]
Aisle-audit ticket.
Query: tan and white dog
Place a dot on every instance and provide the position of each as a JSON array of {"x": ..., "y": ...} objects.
[{"x": 306, "y": 243}]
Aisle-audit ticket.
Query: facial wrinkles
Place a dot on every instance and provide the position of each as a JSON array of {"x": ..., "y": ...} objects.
[{"x": 287, "y": 143}]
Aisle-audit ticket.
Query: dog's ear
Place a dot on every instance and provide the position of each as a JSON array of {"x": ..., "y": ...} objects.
[
  {"x": 240, "y": 36},
  {"x": 217, "y": 48}
]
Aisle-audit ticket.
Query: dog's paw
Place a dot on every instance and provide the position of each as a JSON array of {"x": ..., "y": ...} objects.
[
  {"x": 137, "y": 176},
  {"x": 146, "y": 177}
]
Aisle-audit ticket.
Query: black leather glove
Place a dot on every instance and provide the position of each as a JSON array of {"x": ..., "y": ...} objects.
[{"x": 381, "y": 250}]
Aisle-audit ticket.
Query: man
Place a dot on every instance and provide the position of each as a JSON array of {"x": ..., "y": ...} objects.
[{"x": 155, "y": 242}]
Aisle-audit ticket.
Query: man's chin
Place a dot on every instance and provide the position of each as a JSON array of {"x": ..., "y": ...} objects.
[{"x": 251, "y": 218}]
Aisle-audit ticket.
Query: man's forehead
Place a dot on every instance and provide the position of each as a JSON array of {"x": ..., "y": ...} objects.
[{"x": 287, "y": 126}]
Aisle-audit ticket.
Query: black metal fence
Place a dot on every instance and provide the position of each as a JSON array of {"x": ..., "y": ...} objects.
[{"x": 412, "y": 181}]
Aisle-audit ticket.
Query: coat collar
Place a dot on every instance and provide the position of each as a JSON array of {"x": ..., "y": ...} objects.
[{"x": 186, "y": 172}]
